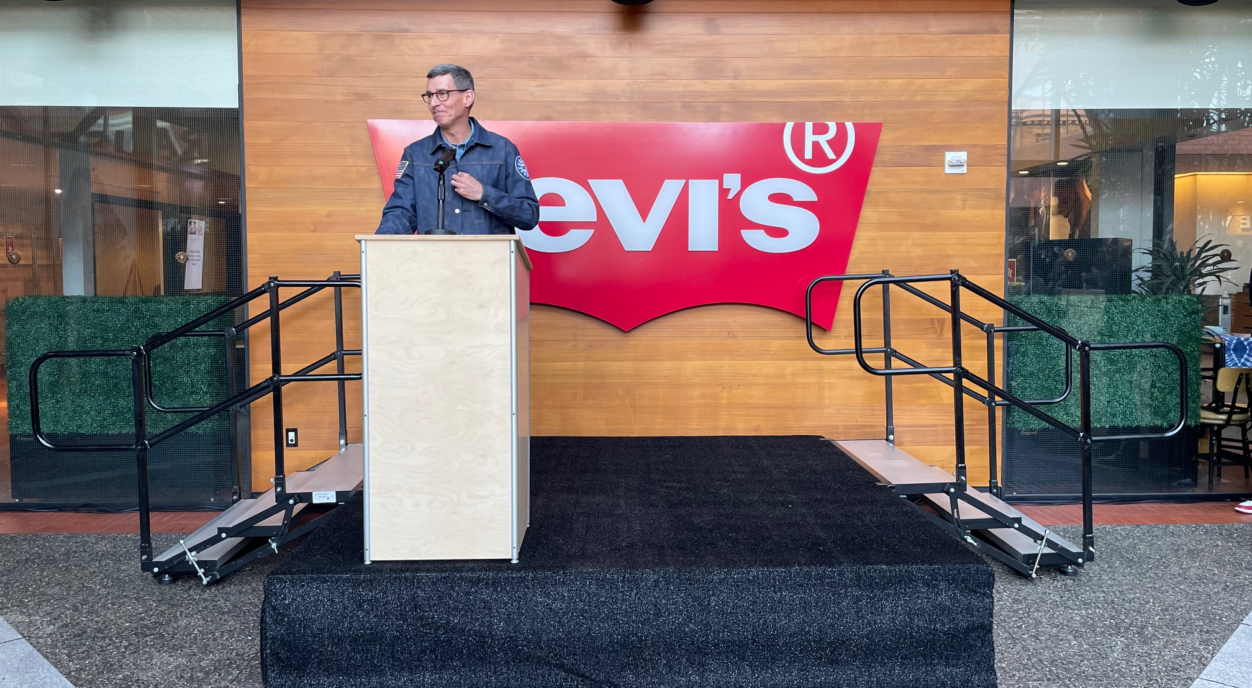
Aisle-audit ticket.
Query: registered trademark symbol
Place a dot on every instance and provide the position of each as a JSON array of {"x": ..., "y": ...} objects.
[{"x": 821, "y": 140}]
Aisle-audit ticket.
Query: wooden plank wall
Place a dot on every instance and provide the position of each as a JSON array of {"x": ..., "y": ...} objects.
[{"x": 935, "y": 72}]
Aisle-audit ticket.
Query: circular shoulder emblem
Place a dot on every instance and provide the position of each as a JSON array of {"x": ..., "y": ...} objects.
[{"x": 521, "y": 168}]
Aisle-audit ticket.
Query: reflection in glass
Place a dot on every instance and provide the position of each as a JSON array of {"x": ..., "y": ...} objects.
[
  {"x": 96, "y": 202},
  {"x": 1130, "y": 173}
]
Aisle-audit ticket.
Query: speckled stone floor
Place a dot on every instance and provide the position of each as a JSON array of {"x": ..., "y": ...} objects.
[
  {"x": 81, "y": 601},
  {"x": 1152, "y": 611}
]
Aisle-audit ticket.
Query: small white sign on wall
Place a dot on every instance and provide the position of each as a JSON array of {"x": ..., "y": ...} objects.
[
  {"x": 954, "y": 162},
  {"x": 194, "y": 275}
]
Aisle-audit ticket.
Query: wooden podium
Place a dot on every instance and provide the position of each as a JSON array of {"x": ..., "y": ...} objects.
[{"x": 445, "y": 351}]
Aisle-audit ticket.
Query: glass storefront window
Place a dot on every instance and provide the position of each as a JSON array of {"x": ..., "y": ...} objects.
[
  {"x": 1129, "y": 192},
  {"x": 120, "y": 212},
  {"x": 98, "y": 203}
]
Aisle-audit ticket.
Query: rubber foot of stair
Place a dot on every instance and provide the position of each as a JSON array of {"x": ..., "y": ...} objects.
[
  {"x": 166, "y": 579},
  {"x": 1070, "y": 570}
]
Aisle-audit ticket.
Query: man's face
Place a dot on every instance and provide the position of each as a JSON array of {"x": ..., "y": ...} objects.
[{"x": 455, "y": 107}]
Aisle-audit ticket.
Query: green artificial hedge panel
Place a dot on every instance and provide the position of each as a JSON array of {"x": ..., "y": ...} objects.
[
  {"x": 1128, "y": 388},
  {"x": 93, "y": 396}
]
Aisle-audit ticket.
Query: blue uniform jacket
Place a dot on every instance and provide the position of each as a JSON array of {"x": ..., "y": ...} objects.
[{"x": 508, "y": 198}]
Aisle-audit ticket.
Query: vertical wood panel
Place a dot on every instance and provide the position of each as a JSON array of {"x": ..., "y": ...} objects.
[{"x": 934, "y": 72}]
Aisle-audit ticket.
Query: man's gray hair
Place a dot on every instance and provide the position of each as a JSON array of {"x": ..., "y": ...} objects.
[{"x": 460, "y": 75}]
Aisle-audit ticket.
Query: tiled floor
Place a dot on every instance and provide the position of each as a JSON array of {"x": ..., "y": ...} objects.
[
  {"x": 71, "y": 522},
  {"x": 21, "y": 666},
  {"x": 1138, "y": 514},
  {"x": 1232, "y": 667}
]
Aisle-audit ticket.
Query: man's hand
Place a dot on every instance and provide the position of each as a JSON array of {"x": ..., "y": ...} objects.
[{"x": 467, "y": 186}]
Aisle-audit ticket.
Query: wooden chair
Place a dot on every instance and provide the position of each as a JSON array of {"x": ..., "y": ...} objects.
[{"x": 1225, "y": 412}]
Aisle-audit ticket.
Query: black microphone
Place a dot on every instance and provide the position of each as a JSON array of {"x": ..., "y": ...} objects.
[{"x": 441, "y": 166}]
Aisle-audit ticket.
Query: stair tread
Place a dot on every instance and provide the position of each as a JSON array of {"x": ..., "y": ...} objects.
[
  {"x": 941, "y": 501},
  {"x": 342, "y": 472},
  {"x": 1022, "y": 545},
  {"x": 236, "y": 513},
  {"x": 1017, "y": 540},
  {"x": 277, "y": 519},
  {"x": 891, "y": 465},
  {"x": 991, "y": 502},
  {"x": 213, "y": 557}
]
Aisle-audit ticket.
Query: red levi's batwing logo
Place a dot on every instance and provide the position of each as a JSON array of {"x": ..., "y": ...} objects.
[{"x": 638, "y": 220}]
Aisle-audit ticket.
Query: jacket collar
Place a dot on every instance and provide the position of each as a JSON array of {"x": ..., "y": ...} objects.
[{"x": 479, "y": 137}]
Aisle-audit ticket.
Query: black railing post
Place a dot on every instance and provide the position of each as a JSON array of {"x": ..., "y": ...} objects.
[
  {"x": 1084, "y": 439},
  {"x": 958, "y": 380},
  {"x": 138, "y": 368},
  {"x": 339, "y": 369},
  {"x": 993, "y": 481},
  {"x": 888, "y": 356},
  {"x": 276, "y": 363},
  {"x": 232, "y": 417}
]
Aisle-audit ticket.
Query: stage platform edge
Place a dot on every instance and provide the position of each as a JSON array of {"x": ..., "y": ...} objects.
[{"x": 664, "y": 561}]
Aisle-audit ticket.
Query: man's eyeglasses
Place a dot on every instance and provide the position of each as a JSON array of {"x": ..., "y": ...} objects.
[{"x": 442, "y": 95}]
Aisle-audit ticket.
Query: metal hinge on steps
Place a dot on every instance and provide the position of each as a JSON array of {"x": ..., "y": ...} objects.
[
  {"x": 983, "y": 520},
  {"x": 255, "y": 528}
]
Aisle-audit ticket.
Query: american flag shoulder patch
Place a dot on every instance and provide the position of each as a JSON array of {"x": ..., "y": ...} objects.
[{"x": 404, "y": 164}]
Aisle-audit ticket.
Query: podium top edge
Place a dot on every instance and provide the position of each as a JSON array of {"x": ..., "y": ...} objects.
[{"x": 452, "y": 237}]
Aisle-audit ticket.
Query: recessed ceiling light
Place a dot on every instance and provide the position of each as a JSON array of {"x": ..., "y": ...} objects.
[
  {"x": 221, "y": 202},
  {"x": 56, "y": 191},
  {"x": 1062, "y": 163},
  {"x": 199, "y": 161},
  {"x": 1024, "y": 172}
]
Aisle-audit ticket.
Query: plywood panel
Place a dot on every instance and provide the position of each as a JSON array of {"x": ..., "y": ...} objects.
[
  {"x": 440, "y": 369},
  {"x": 521, "y": 385},
  {"x": 935, "y": 72}
]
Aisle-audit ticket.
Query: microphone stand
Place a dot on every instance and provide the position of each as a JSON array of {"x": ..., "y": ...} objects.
[{"x": 441, "y": 193}]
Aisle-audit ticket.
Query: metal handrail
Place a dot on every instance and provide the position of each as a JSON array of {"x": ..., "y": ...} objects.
[
  {"x": 33, "y": 377},
  {"x": 141, "y": 384},
  {"x": 995, "y": 395},
  {"x": 189, "y": 329},
  {"x": 1184, "y": 389},
  {"x": 1017, "y": 311}
]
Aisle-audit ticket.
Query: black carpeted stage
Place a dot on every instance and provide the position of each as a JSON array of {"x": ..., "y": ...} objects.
[{"x": 674, "y": 561}]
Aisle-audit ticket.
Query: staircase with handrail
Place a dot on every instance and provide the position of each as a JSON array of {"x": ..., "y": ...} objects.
[
  {"x": 980, "y": 518},
  {"x": 252, "y": 527}
]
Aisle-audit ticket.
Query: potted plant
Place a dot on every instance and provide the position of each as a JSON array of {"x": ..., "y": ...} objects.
[{"x": 1183, "y": 272}]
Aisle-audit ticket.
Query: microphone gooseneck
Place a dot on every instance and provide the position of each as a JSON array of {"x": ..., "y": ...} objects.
[{"x": 441, "y": 166}]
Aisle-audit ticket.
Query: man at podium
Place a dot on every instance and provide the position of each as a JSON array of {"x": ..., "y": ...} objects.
[{"x": 492, "y": 187}]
